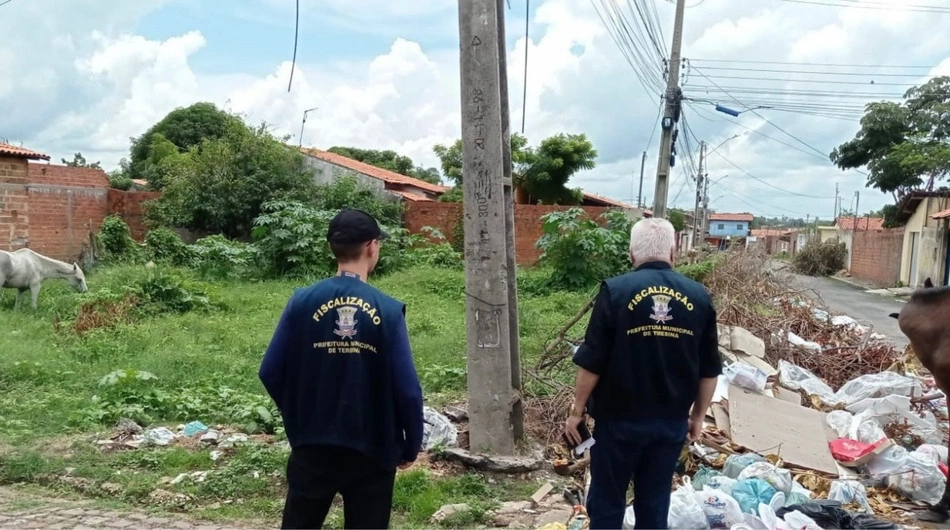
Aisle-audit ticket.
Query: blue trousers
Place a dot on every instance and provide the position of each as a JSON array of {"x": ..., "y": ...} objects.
[{"x": 645, "y": 450}]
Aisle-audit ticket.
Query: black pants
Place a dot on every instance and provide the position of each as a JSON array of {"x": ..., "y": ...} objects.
[
  {"x": 644, "y": 450},
  {"x": 316, "y": 474}
]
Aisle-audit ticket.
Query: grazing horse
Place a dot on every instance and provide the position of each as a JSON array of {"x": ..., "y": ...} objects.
[
  {"x": 925, "y": 319},
  {"x": 25, "y": 270}
]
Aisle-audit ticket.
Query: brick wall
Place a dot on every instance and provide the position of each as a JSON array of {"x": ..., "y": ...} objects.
[
  {"x": 14, "y": 203},
  {"x": 876, "y": 255},
  {"x": 53, "y": 209},
  {"x": 130, "y": 206},
  {"x": 528, "y": 226}
]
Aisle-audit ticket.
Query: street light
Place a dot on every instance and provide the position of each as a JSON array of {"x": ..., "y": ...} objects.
[
  {"x": 736, "y": 113},
  {"x": 304, "y": 121}
]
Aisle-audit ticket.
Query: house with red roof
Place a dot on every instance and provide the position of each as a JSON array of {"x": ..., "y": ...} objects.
[{"x": 725, "y": 227}]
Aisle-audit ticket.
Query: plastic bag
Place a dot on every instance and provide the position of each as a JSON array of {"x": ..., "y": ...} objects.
[
  {"x": 778, "y": 478},
  {"x": 823, "y": 514},
  {"x": 722, "y": 511},
  {"x": 771, "y": 521},
  {"x": 686, "y": 511},
  {"x": 750, "y": 493},
  {"x": 735, "y": 464},
  {"x": 892, "y": 409},
  {"x": 849, "y": 491},
  {"x": 797, "y": 378},
  {"x": 840, "y": 422},
  {"x": 437, "y": 430},
  {"x": 881, "y": 384},
  {"x": 799, "y": 521},
  {"x": 937, "y": 452},
  {"x": 753, "y": 522},
  {"x": 919, "y": 478},
  {"x": 710, "y": 478},
  {"x": 795, "y": 340},
  {"x": 746, "y": 376},
  {"x": 629, "y": 519}
]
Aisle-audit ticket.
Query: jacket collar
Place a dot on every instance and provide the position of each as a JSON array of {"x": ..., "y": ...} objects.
[{"x": 654, "y": 265}]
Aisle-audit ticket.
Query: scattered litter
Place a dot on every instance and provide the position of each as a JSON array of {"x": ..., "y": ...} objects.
[
  {"x": 722, "y": 511},
  {"x": 778, "y": 478},
  {"x": 746, "y": 376},
  {"x": 159, "y": 436},
  {"x": 750, "y": 493},
  {"x": 918, "y": 478},
  {"x": 850, "y": 492},
  {"x": 795, "y": 340},
  {"x": 215, "y": 455},
  {"x": 686, "y": 510},
  {"x": 210, "y": 437},
  {"x": 438, "y": 430},
  {"x": 233, "y": 440},
  {"x": 197, "y": 476},
  {"x": 736, "y": 464},
  {"x": 126, "y": 425},
  {"x": 194, "y": 428}
]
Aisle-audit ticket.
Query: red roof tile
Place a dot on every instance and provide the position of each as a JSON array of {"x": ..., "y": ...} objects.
[
  {"x": 372, "y": 171},
  {"x": 409, "y": 196},
  {"x": 605, "y": 200},
  {"x": 82, "y": 177},
  {"x": 748, "y": 217},
  {"x": 770, "y": 232},
  {"x": 945, "y": 214},
  {"x": 20, "y": 152},
  {"x": 863, "y": 223}
]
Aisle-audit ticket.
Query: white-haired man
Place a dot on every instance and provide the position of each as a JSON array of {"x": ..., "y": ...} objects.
[{"x": 647, "y": 371}]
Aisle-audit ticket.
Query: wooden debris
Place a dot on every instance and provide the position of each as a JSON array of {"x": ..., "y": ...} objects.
[{"x": 542, "y": 492}]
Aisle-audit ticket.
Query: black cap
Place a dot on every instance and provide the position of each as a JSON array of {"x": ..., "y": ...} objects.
[{"x": 354, "y": 226}]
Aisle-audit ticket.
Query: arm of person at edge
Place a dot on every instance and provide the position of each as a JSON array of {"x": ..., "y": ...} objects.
[
  {"x": 408, "y": 394},
  {"x": 710, "y": 367},
  {"x": 273, "y": 366},
  {"x": 591, "y": 358}
]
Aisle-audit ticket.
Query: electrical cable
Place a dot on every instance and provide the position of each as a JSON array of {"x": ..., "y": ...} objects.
[
  {"x": 874, "y": 6},
  {"x": 805, "y": 64},
  {"x": 527, "y": 43},
  {"x": 790, "y": 192},
  {"x": 293, "y": 62}
]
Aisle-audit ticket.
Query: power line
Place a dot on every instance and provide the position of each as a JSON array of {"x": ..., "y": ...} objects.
[
  {"x": 293, "y": 62},
  {"x": 5, "y": 2},
  {"x": 811, "y": 72},
  {"x": 790, "y": 192},
  {"x": 805, "y": 64},
  {"x": 873, "y": 6},
  {"x": 742, "y": 198}
]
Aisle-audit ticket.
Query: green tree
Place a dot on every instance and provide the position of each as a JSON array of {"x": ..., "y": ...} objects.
[
  {"x": 388, "y": 159},
  {"x": 677, "y": 218},
  {"x": 906, "y": 145},
  {"x": 80, "y": 161},
  {"x": 184, "y": 127},
  {"x": 543, "y": 172},
  {"x": 430, "y": 175},
  {"x": 220, "y": 185}
]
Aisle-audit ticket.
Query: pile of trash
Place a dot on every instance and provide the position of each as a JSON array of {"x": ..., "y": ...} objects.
[
  {"x": 130, "y": 435},
  {"x": 817, "y": 421}
]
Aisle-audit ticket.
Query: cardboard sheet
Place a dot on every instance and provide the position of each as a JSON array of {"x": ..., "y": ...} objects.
[
  {"x": 788, "y": 395},
  {"x": 772, "y": 426}
]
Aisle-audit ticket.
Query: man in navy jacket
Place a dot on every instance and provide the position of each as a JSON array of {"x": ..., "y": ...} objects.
[{"x": 340, "y": 369}]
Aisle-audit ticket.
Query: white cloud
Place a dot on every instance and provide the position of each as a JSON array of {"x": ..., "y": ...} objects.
[{"x": 101, "y": 83}]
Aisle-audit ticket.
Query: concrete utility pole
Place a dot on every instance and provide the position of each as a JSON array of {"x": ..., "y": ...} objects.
[
  {"x": 837, "y": 201},
  {"x": 700, "y": 179},
  {"x": 857, "y": 208},
  {"x": 494, "y": 404},
  {"x": 643, "y": 162},
  {"x": 670, "y": 115},
  {"x": 702, "y": 234}
]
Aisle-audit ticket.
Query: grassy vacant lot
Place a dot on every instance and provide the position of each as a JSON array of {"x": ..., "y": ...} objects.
[{"x": 204, "y": 358}]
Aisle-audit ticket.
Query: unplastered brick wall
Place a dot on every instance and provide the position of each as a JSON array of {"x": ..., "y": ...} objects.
[
  {"x": 130, "y": 206},
  {"x": 14, "y": 204},
  {"x": 876, "y": 255},
  {"x": 444, "y": 216}
]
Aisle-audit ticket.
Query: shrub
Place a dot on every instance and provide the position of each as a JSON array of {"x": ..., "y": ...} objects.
[
  {"x": 120, "y": 182},
  {"x": 116, "y": 241},
  {"x": 434, "y": 251},
  {"x": 700, "y": 270},
  {"x": 291, "y": 239},
  {"x": 821, "y": 259},
  {"x": 161, "y": 292},
  {"x": 163, "y": 245},
  {"x": 347, "y": 192},
  {"x": 217, "y": 257},
  {"x": 579, "y": 251}
]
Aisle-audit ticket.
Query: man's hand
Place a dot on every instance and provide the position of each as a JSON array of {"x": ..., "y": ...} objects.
[
  {"x": 404, "y": 466},
  {"x": 571, "y": 428},
  {"x": 695, "y": 428}
]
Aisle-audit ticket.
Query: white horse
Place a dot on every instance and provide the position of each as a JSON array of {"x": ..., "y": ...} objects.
[{"x": 25, "y": 270}]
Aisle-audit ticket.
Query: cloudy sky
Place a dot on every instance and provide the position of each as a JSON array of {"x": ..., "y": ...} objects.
[{"x": 85, "y": 75}]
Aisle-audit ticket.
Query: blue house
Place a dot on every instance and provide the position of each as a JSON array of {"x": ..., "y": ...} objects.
[{"x": 723, "y": 226}]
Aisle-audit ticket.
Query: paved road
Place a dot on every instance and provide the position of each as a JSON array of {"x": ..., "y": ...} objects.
[{"x": 868, "y": 309}]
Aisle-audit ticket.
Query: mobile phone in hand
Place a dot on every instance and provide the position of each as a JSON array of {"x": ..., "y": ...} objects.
[{"x": 587, "y": 441}]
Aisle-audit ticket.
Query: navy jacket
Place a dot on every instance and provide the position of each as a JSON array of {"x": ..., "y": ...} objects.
[
  {"x": 340, "y": 370},
  {"x": 652, "y": 336}
]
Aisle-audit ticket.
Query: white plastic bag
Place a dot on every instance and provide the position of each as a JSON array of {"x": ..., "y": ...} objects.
[
  {"x": 795, "y": 377},
  {"x": 919, "y": 479},
  {"x": 795, "y": 340},
  {"x": 629, "y": 519},
  {"x": 746, "y": 376},
  {"x": 722, "y": 511},
  {"x": 937, "y": 452},
  {"x": 881, "y": 384},
  {"x": 850, "y": 491},
  {"x": 686, "y": 512},
  {"x": 771, "y": 521},
  {"x": 796, "y": 520},
  {"x": 892, "y": 409},
  {"x": 735, "y": 464},
  {"x": 778, "y": 478},
  {"x": 840, "y": 422},
  {"x": 437, "y": 430}
]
